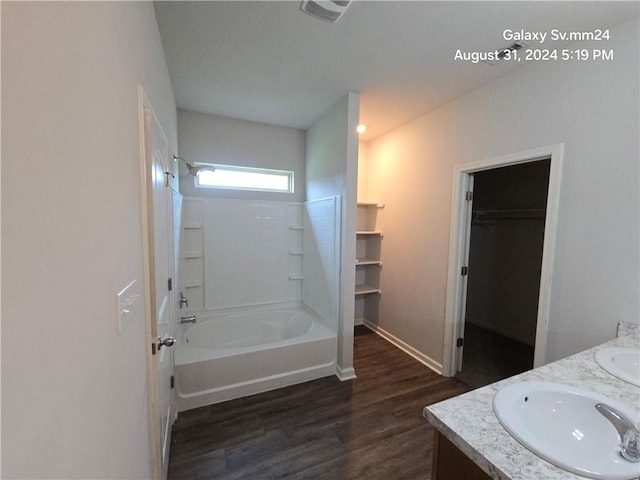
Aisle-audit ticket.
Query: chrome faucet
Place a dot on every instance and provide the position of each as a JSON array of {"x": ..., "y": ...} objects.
[
  {"x": 628, "y": 432},
  {"x": 191, "y": 319}
]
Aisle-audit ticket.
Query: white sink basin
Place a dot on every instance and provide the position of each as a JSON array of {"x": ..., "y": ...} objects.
[
  {"x": 561, "y": 424},
  {"x": 623, "y": 363}
]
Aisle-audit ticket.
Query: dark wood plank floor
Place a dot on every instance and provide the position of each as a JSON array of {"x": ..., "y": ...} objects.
[{"x": 369, "y": 428}]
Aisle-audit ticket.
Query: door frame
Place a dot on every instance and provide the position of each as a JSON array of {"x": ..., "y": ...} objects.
[
  {"x": 459, "y": 249},
  {"x": 153, "y": 400}
]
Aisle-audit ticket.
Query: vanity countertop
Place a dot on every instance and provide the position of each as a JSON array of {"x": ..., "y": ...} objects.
[{"x": 469, "y": 423}]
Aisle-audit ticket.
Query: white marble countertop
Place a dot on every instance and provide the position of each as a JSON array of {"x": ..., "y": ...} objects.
[{"x": 469, "y": 422}]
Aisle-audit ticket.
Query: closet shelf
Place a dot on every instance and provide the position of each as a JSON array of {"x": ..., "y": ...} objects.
[
  {"x": 192, "y": 255},
  {"x": 192, "y": 284},
  {"x": 372, "y": 205},
  {"x": 192, "y": 226},
  {"x": 367, "y": 261},
  {"x": 367, "y": 289},
  {"x": 508, "y": 214},
  {"x": 374, "y": 233},
  {"x": 296, "y": 252},
  {"x": 296, "y": 227}
]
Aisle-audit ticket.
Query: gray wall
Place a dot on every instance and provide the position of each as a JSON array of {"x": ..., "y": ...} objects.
[
  {"x": 593, "y": 108},
  {"x": 332, "y": 169},
  {"x": 74, "y": 390},
  {"x": 228, "y": 141}
]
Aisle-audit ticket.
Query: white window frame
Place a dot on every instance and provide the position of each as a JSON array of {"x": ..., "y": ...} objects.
[{"x": 237, "y": 168}]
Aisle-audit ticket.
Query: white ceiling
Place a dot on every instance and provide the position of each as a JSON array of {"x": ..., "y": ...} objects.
[{"x": 269, "y": 62}]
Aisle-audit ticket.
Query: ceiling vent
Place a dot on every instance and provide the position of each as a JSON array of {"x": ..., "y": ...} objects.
[
  {"x": 327, "y": 10},
  {"x": 503, "y": 52}
]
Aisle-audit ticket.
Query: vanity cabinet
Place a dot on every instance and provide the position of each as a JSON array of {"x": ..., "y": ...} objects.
[
  {"x": 449, "y": 463},
  {"x": 367, "y": 264}
]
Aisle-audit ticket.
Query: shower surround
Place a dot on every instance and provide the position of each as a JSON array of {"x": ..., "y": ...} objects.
[
  {"x": 251, "y": 253},
  {"x": 242, "y": 260}
]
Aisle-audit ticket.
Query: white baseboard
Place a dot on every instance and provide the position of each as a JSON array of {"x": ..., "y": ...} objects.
[
  {"x": 345, "y": 374},
  {"x": 408, "y": 349}
]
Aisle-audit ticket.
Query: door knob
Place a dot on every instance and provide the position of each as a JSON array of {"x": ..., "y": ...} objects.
[{"x": 165, "y": 342}]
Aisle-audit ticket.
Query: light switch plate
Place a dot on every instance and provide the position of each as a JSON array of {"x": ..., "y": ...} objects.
[{"x": 127, "y": 304}]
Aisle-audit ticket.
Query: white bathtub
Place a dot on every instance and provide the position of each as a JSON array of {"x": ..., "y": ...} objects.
[{"x": 226, "y": 357}]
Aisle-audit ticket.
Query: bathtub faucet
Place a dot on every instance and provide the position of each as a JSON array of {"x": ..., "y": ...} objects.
[{"x": 191, "y": 319}]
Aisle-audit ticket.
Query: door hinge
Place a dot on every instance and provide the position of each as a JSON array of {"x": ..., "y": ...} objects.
[
  {"x": 464, "y": 271},
  {"x": 468, "y": 196},
  {"x": 170, "y": 284},
  {"x": 153, "y": 348},
  {"x": 167, "y": 182},
  {"x": 173, "y": 381},
  {"x": 460, "y": 342}
]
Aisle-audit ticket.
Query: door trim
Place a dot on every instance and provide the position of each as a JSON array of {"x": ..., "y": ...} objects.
[
  {"x": 458, "y": 251},
  {"x": 153, "y": 401}
]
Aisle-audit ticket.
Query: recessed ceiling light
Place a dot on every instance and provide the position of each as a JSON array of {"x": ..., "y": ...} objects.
[{"x": 361, "y": 128}]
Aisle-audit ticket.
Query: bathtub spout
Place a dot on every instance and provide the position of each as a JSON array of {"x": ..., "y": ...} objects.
[{"x": 191, "y": 319}]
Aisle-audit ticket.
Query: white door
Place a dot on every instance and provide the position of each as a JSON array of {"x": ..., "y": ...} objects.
[
  {"x": 159, "y": 214},
  {"x": 468, "y": 194}
]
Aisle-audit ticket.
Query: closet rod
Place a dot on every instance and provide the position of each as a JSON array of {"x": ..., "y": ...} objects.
[{"x": 508, "y": 214}]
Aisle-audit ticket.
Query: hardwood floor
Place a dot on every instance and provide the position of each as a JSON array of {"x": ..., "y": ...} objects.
[{"x": 369, "y": 428}]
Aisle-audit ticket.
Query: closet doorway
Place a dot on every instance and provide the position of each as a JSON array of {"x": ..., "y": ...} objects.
[
  {"x": 505, "y": 260},
  {"x": 500, "y": 266}
]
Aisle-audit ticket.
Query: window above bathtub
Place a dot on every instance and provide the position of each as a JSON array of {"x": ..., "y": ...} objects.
[{"x": 231, "y": 177}]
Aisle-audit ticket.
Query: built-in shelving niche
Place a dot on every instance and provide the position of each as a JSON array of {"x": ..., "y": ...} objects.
[
  {"x": 367, "y": 264},
  {"x": 192, "y": 248},
  {"x": 296, "y": 251}
]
